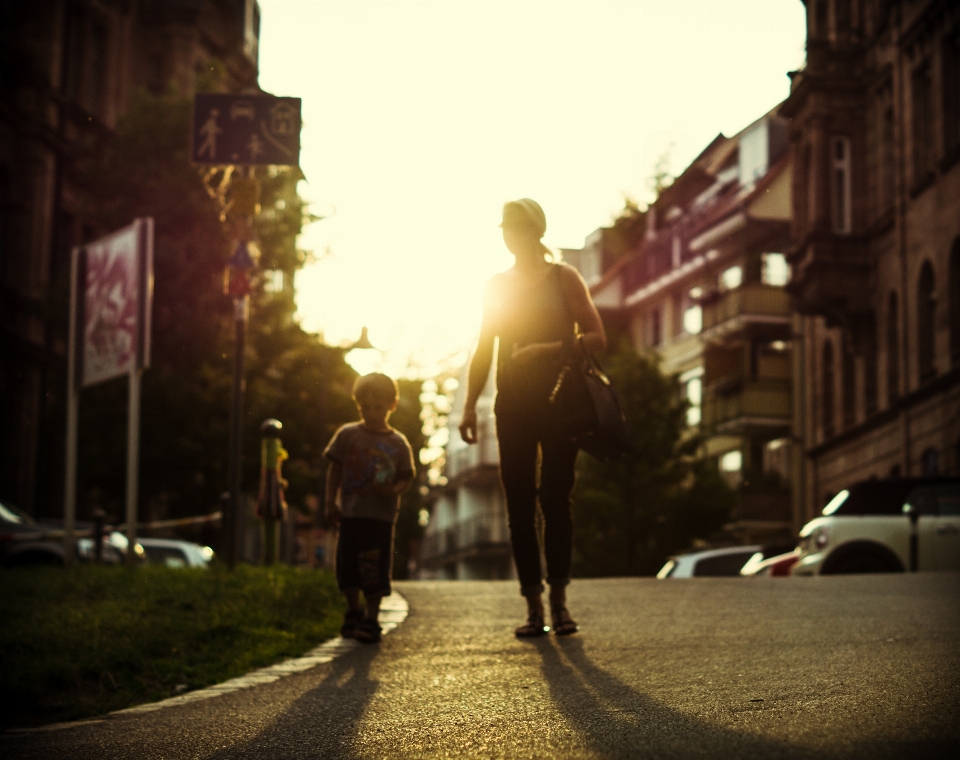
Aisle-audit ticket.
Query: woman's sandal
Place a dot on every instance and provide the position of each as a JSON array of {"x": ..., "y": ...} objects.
[
  {"x": 367, "y": 631},
  {"x": 351, "y": 619},
  {"x": 535, "y": 626},
  {"x": 563, "y": 624}
]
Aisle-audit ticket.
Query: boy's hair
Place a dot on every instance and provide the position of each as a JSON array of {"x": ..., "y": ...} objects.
[{"x": 376, "y": 384}]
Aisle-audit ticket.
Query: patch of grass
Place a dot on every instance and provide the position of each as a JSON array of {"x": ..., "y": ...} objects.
[{"x": 85, "y": 641}]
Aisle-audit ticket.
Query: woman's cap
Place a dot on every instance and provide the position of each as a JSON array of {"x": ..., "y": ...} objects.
[{"x": 525, "y": 212}]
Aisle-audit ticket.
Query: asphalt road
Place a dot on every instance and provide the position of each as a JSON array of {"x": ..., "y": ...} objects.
[{"x": 842, "y": 667}]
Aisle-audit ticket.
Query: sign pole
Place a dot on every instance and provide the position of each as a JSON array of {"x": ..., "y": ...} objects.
[
  {"x": 133, "y": 464},
  {"x": 73, "y": 403},
  {"x": 241, "y": 309}
]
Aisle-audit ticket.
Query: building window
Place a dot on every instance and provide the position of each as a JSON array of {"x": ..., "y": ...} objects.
[
  {"x": 96, "y": 71},
  {"x": 955, "y": 303},
  {"x": 72, "y": 62},
  {"x": 827, "y": 389},
  {"x": 926, "y": 322},
  {"x": 840, "y": 181},
  {"x": 848, "y": 390},
  {"x": 731, "y": 278},
  {"x": 656, "y": 327},
  {"x": 775, "y": 270},
  {"x": 893, "y": 349},
  {"x": 692, "y": 383},
  {"x": 841, "y": 15},
  {"x": 870, "y": 365},
  {"x": 693, "y": 313},
  {"x": 951, "y": 93},
  {"x": 820, "y": 25},
  {"x": 931, "y": 462},
  {"x": 921, "y": 90},
  {"x": 731, "y": 467}
]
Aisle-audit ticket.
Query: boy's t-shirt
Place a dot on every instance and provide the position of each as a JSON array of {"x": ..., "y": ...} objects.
[{"x": 370, "y": 458}]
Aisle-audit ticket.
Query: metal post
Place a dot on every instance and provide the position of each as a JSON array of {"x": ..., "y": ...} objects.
[
  {"x": 133, "y": 463},
  {"x": 77, "y": 275},
  {"x": 914, "y": 514},
  {"x": 241, "y": 308},
  {"x": 99, "y": 518}
]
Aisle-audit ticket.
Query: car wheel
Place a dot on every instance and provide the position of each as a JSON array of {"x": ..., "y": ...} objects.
[{"x": 863, "y": 563}]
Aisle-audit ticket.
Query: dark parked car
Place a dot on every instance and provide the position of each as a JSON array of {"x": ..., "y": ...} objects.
[{"x": 25, "y": 541}]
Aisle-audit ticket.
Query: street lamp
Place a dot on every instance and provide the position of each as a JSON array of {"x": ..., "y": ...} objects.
[{"x": 363, "y": 363}]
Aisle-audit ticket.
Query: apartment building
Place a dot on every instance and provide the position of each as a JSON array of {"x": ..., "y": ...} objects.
[
  {"x": 875, "y": 257},
  {"x": 705, "y": 290}
]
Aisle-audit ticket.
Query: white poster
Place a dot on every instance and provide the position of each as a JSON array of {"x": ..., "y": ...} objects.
[{"x": 116, "y": 303}]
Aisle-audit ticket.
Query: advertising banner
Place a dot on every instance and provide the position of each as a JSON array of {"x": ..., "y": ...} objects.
[{"x": 116, "y": 289}]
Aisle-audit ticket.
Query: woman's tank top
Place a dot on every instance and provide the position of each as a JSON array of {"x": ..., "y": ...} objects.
[{"x": 525, "y": 315}]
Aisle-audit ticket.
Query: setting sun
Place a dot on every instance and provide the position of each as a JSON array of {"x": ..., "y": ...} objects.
[{"x": 422, "y": 118}]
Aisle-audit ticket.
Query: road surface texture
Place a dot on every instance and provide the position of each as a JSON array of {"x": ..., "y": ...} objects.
[{"x": 841, "y": 667}]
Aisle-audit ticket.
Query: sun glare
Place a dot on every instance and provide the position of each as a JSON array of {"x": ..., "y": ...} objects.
[{"x": 422, "y": 119}]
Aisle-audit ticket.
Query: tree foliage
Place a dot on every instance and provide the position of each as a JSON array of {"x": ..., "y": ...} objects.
[
  {"x": 633, "y": 512},
  {"x": 145, "y": 171}
]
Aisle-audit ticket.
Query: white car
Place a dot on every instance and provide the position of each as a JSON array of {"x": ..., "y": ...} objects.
[
  {"x": 866, "y": 528},
  {"x": 710, "y": 562},
  {"x": 173, "y": 552}
]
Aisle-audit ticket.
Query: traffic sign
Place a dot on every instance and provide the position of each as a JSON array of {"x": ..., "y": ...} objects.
[{"x": 245, "y": 130}]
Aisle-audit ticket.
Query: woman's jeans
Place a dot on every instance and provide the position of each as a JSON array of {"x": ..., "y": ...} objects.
[{"x": 520, "y": 435}]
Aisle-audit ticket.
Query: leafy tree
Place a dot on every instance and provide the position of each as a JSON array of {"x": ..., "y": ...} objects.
[
  {"x": 145, "y": 171},
  {"x": 632, "y": 512}
]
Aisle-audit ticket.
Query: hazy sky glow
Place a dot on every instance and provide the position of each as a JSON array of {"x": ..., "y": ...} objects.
[{"x": 422, "y": 118}]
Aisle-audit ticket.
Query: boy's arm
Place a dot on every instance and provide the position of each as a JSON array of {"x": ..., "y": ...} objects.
[{"x": 333, "y": 510}]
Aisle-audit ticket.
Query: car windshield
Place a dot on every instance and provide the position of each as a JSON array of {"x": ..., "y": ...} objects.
[
  {"x": 10, "y": 514},
  {"x": 871, "y": 497},
  {"x": 836, "y": 502},
  {"x": 667, "y": 569}
]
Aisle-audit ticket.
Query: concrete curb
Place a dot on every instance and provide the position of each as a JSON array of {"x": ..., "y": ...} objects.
[{"x": 393, "y": 611}]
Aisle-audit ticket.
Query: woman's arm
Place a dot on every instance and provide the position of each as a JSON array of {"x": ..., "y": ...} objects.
[
  {"x": 476, "y": 381},
  {"x": 478, "y": 374},
  {"x": 582, "y": 310}
]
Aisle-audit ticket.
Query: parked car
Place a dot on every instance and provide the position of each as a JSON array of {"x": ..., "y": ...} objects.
[
  {"x": 24, "y": 541},
  {"x": 173, "y": 552},
  {"x": 776, "y": 566},
  {"x": 866, "y": 528},
  {"x": 709, "y": 562}
]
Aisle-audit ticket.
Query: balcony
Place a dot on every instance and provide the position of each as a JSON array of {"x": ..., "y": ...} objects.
[
  {"x": 760, "y": 311},
  {"x": 741, "y": 407}
]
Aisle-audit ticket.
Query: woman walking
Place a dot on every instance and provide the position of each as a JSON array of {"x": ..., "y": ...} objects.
[{"x": 535, "y": 309}]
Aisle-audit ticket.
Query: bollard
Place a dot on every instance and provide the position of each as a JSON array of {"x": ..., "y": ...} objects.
[
  {"x": 99, "y": 519},
  {"x": 914, "y": 515},
  {"x": 271, "y": 505}
]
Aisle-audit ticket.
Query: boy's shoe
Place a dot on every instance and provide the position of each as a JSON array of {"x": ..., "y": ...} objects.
[
  {"x": 351, "y": 619},
  {"x": 367, "y": 631}
]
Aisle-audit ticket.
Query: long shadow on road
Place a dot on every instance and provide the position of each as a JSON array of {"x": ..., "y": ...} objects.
[
  {"x": 619, "y": 722},
  {"x": 323, "y": 722}
]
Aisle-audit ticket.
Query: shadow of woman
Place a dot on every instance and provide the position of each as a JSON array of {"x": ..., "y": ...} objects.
[
  {"x": 617, "y": 721},
  {"x": 321, "y": 722}
]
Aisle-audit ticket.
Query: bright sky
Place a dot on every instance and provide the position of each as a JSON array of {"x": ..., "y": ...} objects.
[{"x": 420, "y": 119}]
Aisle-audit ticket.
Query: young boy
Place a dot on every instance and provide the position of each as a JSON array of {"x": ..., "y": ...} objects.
[{"x": 371, "y": 464}]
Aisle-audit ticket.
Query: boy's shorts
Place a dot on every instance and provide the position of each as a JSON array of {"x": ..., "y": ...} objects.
[{"x": 365, "y": 555}]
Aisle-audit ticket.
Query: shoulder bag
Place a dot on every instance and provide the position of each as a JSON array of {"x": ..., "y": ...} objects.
[{"x": 586, "y": 407}]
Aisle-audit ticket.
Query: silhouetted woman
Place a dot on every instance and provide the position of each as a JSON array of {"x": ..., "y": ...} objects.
[{"x": 535, "y": 309}]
